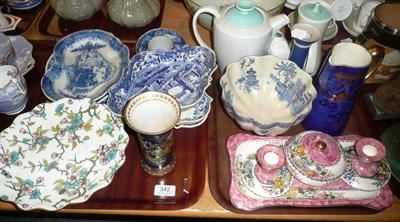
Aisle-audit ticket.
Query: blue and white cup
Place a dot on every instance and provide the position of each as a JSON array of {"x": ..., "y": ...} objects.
[{"x": 13, "y": 90}]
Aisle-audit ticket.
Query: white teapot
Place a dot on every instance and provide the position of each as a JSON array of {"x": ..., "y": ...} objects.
[{"x": 240, "y": 30}]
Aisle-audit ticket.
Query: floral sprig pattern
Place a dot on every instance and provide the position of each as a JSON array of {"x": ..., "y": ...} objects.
[
  {"x": 60, "y": 153},
  {"x": 247, "y": 180},
  {"x": 307, "y": 165}
]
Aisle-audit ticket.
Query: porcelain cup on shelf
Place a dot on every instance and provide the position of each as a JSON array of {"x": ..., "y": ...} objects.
[
  {"x": 13, "y": 90},
  {"x": 364, "y": 14}
]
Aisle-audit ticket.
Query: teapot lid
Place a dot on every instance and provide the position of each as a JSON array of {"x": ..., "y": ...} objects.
[
  {"x": 244, "y": 15},
  {"x": 315, "y": 11}
]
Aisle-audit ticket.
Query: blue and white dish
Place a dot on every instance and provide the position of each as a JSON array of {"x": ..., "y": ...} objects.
[
  {"x": 23, "y": 58},
  {"x": 184, "y": 73},
  {"x": 23, "y": 4},
  {"x": 177, "y": 39},
  {"x": 196, "y": 115},
  {"x": 266, "y": 94},
  {"x": 85, "y": 64}
]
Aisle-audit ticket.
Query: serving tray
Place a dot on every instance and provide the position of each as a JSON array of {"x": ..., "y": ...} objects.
[
  {"x": 51, "y": 25},
  {"x": 247, "y": 192},
  {"x": 132, "y": 188},
  {"x": 221, "y": 127}
]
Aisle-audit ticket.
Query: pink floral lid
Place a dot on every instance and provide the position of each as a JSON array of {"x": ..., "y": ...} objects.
[{"x": 315, "y": 158}]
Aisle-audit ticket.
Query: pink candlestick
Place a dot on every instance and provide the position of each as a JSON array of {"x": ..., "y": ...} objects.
[
  {"x": 270, "y": 158},
  {"x": 370, "y": 151}
]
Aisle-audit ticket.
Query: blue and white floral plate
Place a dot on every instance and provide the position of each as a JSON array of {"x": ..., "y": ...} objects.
[
  {"x": 60, "y": 153},
  {"x": 23, "y": 59},
  {"x": 84, "y": 64},
  {"x": 177, "y": 39},
  {"x": 184, "y": 73}
]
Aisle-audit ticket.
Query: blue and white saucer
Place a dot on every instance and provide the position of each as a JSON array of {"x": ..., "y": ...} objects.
[{"x": 143, "y": 42}]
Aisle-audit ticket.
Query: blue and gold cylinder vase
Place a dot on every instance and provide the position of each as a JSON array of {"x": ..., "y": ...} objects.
[
  {"x": 157, "y": 155},
  {"x": 338, "y": 85}
]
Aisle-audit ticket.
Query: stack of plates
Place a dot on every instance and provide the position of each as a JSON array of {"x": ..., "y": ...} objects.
[{"x": 17, "y": 51}]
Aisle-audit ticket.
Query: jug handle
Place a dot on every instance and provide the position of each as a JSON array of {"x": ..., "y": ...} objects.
[
  {"x": 205, "y": 9},
  {"x": 377, "y": 54},
  {"x": 21, "y": 89}
]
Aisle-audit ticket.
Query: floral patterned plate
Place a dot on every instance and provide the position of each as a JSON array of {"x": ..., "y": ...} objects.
[
  {"x": 247, "y": 192},
  {"x": 60, "y": 153}
]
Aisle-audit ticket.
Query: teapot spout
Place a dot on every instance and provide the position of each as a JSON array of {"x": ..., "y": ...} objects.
[{"x": 277, "y": 22}]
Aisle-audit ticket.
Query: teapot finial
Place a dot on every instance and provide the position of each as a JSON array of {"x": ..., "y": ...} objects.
[
  {"x": 244, "y": 15},
  {"x": 244, "y": 6},
  {"x": 316, "y": 7}
]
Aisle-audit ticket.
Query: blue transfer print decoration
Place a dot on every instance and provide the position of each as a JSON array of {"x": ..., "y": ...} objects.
[{"x": 290, "y": 90}]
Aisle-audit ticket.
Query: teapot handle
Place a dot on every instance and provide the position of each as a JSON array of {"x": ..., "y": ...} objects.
[{"x": 205, "y": 9}]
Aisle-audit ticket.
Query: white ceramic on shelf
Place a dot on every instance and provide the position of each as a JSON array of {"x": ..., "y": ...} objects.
[
  {"x": 239, "y": 30},
  {"x": 364, "y": 14},
  {"x": 273, "y": 7},
  {"x": 13, "y": 21},
  {"x": 3, "y": 21}
]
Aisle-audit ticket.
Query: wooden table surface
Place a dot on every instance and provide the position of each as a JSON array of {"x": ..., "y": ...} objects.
[{"x": 176, "y": 17}]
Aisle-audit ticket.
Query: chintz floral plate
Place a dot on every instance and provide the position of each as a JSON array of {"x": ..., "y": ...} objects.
[{"x": 60, "y": 153}]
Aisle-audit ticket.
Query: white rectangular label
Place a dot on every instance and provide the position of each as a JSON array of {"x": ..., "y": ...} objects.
[{"x": 164, "y": 190}]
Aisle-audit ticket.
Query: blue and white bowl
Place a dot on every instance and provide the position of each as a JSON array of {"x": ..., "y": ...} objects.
[
  {"x": 266, "y": 94},
  {"x": 84, "y": 64},
  {"x": 184, "y": 73},
  {"x": 176, "y": 40},
  {"x": 23, "y": 4}
]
